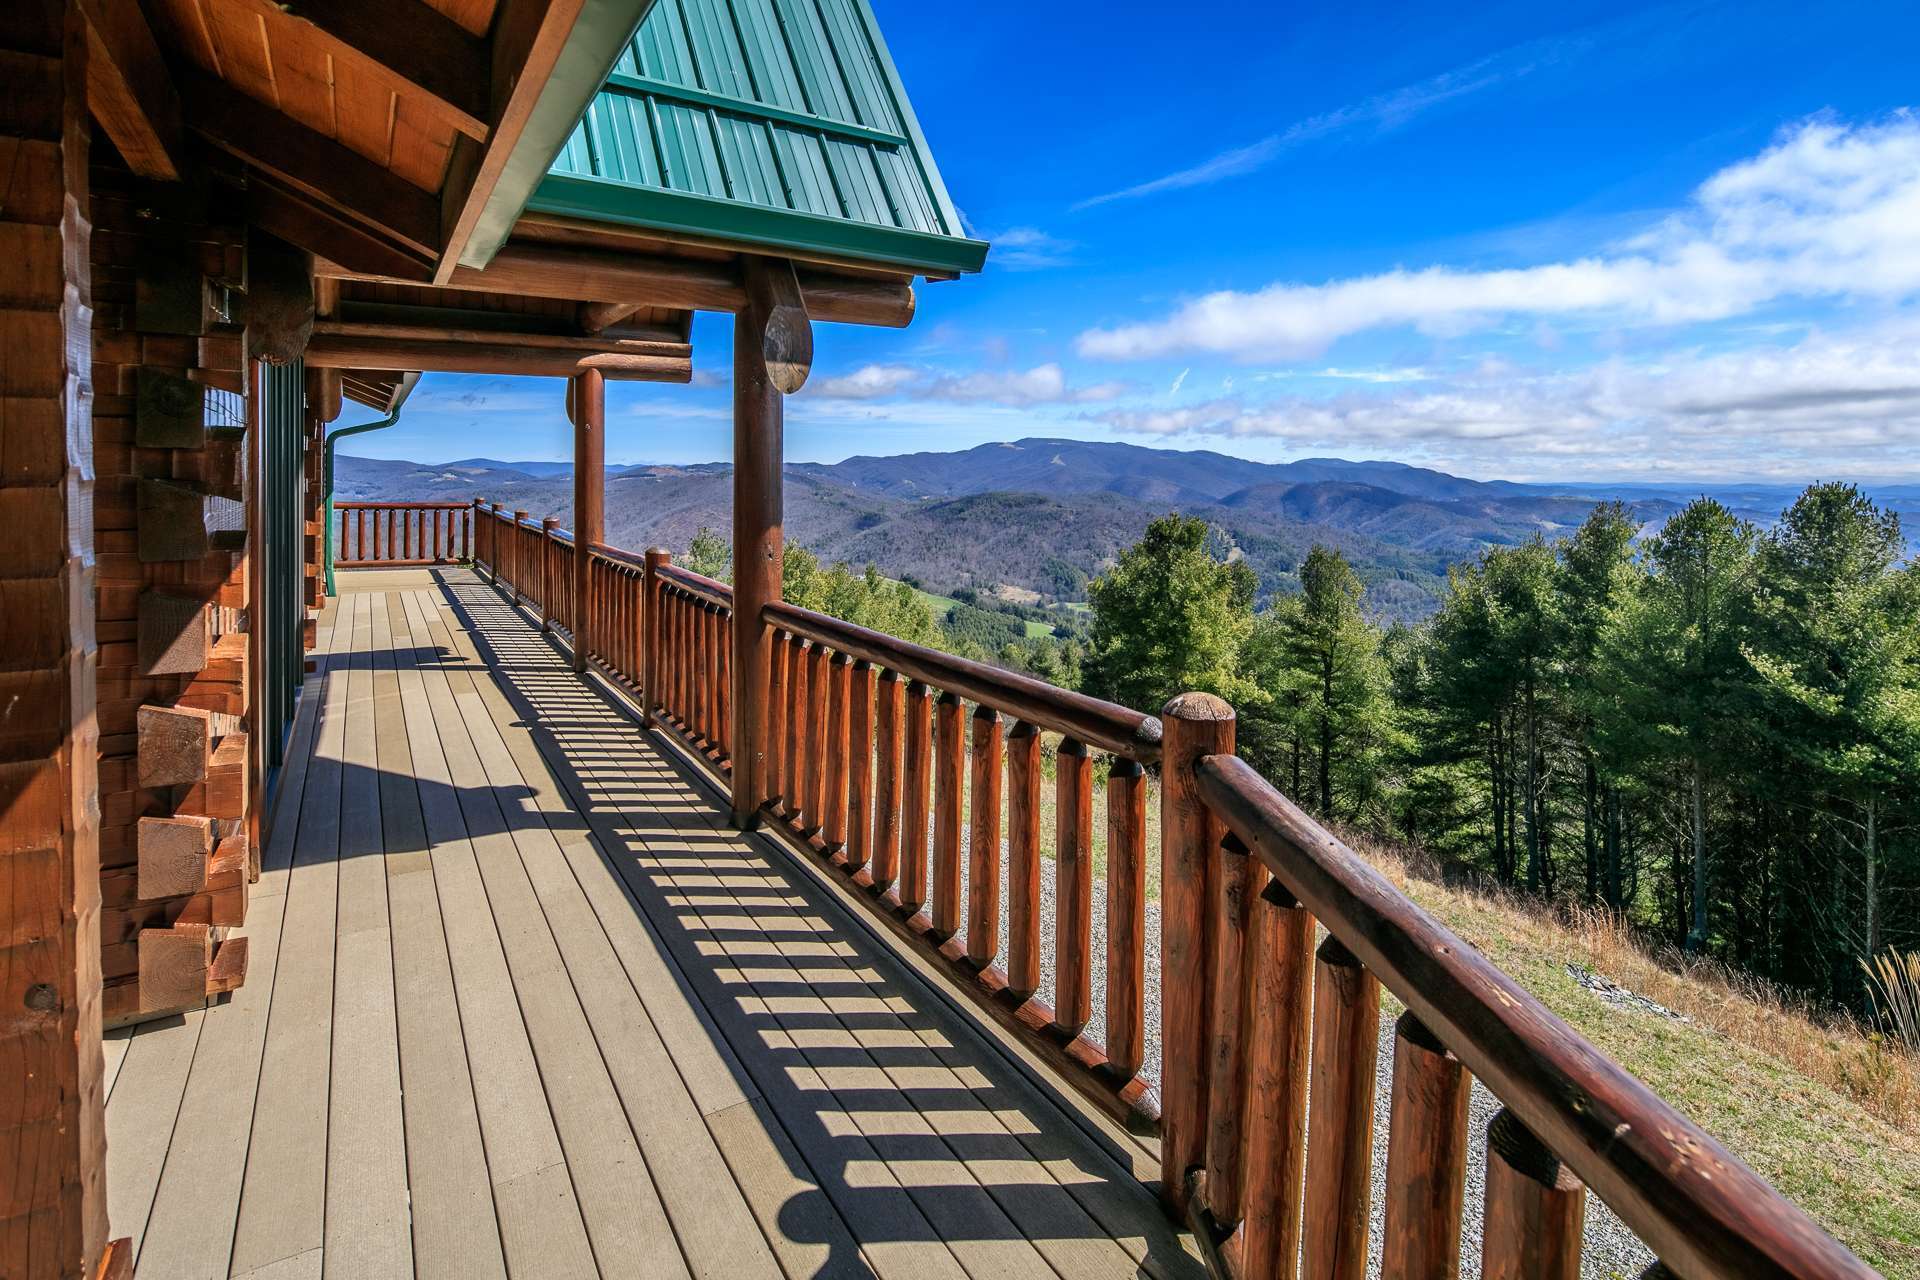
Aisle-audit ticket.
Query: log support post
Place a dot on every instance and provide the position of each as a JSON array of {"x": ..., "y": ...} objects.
[
  {"x": 772, "y": 352},
  {"x": 589, "y": 405}
]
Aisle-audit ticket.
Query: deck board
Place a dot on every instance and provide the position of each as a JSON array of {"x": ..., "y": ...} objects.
[{"x": 529, "y": 1007}]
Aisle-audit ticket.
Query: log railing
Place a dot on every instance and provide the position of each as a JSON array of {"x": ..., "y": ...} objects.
[
  {"x": 401, "y": 533},
  {"x": 914, "y": 773},
  {"x": 910, "y": 774}
]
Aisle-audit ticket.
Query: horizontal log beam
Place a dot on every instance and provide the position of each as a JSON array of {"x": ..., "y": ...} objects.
[
  {"x": 310, "y": 163},
  {"x": 609, "y": 344},
  {"x": 340, "y": 351},
  {"x": 691, "y": 284}
]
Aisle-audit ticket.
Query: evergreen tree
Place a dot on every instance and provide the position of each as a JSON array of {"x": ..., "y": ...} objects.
[
  {"x": 1678, "y": 654},
  {"x": 1171, "y": 616},
  {"x": 1840, "y": 654},
  {"x": 710, "y": 556},
  {"x": 1317, "y": 662}
]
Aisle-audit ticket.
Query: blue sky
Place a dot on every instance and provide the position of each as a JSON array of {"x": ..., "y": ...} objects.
[{"x": 1580, "y": 241}]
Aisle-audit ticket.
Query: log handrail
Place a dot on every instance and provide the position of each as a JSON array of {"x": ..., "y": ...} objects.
[
  {"x": 1695, "y": 1204},
  {"x": 356, "y": 505},
  {"x": 1129, "y": 734},
  {"x": 696, "y": 584}
]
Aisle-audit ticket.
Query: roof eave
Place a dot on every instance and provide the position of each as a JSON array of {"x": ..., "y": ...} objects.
[
  {"x": 599, "y": 36},
  {"x": 758, "y": 226}
]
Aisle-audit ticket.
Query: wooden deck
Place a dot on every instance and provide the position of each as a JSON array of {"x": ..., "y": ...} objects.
[{"x": 520, "y": 1004}]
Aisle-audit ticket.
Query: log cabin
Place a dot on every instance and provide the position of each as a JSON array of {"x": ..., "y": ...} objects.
[{"x": 526, "y": 906}]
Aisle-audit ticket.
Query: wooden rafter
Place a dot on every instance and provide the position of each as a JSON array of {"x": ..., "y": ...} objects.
[
  {"x": 414, "y": 43},
  {"x": 128, "y": 90},
  {"x": 310, "y": 162},
  {"x": 317, "y": 226}
]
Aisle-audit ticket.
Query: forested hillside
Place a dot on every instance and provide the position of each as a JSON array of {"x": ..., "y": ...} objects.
[{"x": 1713, "y": 731}]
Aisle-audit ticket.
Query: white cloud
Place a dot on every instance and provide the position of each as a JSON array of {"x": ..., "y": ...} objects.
[
  {"x": 1829, "y": 211},
  {"x": 1030, "y": 249},
  {"x": 1042, "y": 384},
  {"x": 1179, "y": 381},
  {"x": 1381, "y": 113},
  {"x": 1819, "y": 406}
]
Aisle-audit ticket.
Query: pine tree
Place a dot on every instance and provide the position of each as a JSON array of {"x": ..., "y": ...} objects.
[
  {"x": 1677, "y": 655},
  {"x": 1170, "y": 617},
  {"x": 1840, "y": 654}
]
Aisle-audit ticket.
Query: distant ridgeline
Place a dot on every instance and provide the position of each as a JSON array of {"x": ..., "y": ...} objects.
[{"x": 1031, "y": 521}]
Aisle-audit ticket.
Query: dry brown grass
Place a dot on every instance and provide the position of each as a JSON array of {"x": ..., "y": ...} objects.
[{"x": 1830, "y": 1047}]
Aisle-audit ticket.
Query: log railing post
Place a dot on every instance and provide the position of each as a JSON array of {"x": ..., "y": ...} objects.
[
  {"x": 1426, "y": 1157},
  {"x": 1023, "y": 858},
  {"x": 518, "y": 541},
  {"x": 1536, "y": 1208},
  {"x": 1280, "y": 1009},
  {"x": 548, "y": 601},
  {"x": 1193, "y": 725},
  {"x": 1346, "y": 1039},
  {"x": 652, "y": 665},
  {"x": 1230, "y": 916},
  {"x": 1126, "y": 917},
  {"x": 1073, "y": 888},
  {"x": 983, "y": 839}
]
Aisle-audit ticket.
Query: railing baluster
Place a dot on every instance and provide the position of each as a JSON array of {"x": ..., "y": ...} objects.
[
  {"x": 1280, "y": 1008},
  {"x": 916, "y": 785},
  {"x": 1126, "y": 916},
  {"x": 949, "y": 801},
  {"x": 1426, "y": 1157},
  {"x": 834, "y": 817},
  {"x": 1073, "y": 888},
  {"x": 1023, "y": 859},
  {"x": 1346, "y": 1039},
  {"x": 1233, "y": 891},
  {"x": 796, "y": 771},
  {"x": 774, "y": 781},
  {"x": 815, "y": 804},
  {"x": 549, "y": 598},
  {"x": 888, "y": 713},
  {"x": 859, "y": 765},
  {"x": 1536, "y": 1208},
  {"x": 983, "y": 839}
]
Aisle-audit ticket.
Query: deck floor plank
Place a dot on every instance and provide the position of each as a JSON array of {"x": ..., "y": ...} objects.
[
  {"x": 368, "y": 1232},
  {"x": 532, "y": 1009},
  {"x": 516, "y": 1125},
  {"x": 456, "y": 1232},
  {"x": 283, "y": 1198}
]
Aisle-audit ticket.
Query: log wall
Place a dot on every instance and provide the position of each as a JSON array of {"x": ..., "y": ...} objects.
[
  {"x": 171, "y": 517},
  {"x": 53, "y": 1208}
]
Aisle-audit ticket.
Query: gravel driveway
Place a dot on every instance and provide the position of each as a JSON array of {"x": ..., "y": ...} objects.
[{"x": 1612, "y": 1250}]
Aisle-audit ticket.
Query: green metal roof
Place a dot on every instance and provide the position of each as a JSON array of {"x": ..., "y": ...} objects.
[{"x": 779, "y": 123}]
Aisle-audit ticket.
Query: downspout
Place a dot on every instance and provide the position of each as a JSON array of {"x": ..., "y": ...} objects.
[{"x": 333, "y": 437}]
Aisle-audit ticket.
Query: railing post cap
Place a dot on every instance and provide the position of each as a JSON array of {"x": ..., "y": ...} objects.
[{"x": 1197, "y": 706}]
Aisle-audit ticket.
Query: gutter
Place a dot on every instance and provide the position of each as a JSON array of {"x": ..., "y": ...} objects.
[{"x": 400, "y": 394}]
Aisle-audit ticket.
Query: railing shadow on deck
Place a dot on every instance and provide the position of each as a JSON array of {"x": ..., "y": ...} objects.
[{"x": 627, "y": 814}]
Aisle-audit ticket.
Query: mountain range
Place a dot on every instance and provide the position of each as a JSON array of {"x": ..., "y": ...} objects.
[{"x": 1032, "y": 520}]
